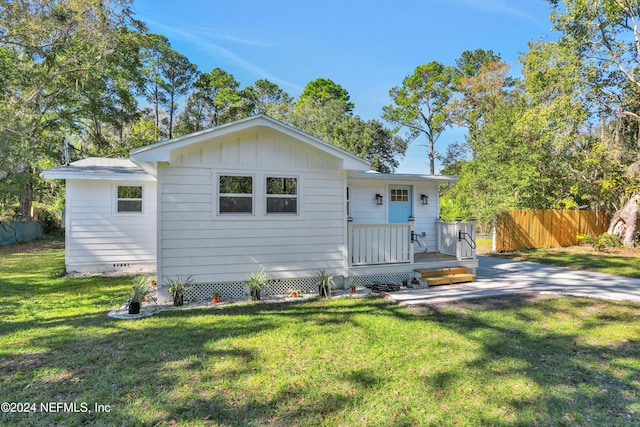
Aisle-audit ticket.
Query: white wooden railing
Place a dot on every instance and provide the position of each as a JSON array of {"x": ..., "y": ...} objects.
[
  {"x": 380, "y": 244},
  {"x": 457, "y": 239}
]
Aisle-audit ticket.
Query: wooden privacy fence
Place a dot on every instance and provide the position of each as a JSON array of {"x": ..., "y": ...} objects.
[{"x": 528, "y": 229}]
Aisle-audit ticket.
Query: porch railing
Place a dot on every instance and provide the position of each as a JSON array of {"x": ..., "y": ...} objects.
[
  {"x": 457, "y": 239},
  {"x": 371, "y": 244},
  {"x": 380, "y": 244}
]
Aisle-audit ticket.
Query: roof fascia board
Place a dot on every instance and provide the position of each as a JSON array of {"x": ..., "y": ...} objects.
[
  {"x": 60, "y": 174},
  {"x": 404, "y": 177}
]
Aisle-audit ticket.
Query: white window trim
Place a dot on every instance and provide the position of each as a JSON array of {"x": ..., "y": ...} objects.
[
  {"x": 218, "y": 194},
  {"x": 116, "y": 212},
  {"x": 297, "y": 195}
]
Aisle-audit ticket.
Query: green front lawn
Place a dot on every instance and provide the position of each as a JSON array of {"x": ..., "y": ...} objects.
[{"x": 343, "y": 362}]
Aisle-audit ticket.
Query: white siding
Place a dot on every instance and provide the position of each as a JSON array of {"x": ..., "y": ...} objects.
[
  {"x": 98, "y": 238},
  {"x": 197, "y": 241},
  {"x": 363, "y": 208}
]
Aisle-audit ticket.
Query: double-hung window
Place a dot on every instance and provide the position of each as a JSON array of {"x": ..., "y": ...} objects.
[
  {"x": 282, "y": 195},
  {"x": 235, "y": 194},
  {"x": 129, "y": 198}
]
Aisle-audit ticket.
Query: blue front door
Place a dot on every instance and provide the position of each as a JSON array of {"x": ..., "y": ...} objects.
[{"x": 399, "y": 203}]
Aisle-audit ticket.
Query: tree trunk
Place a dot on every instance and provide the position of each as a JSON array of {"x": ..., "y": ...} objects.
[
  {"x": 26, "y": 198},
  {"x": 625, "y": 220}
]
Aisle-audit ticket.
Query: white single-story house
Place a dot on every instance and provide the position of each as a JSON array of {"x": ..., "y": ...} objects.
[{"x": 219, "y": 204}]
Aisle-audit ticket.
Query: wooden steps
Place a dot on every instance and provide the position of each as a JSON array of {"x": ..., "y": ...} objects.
[{"x": 445, "y": 276}]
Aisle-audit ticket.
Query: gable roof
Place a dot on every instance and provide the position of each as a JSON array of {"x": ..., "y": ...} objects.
[
  {"x": 160, "y": 151},
  {"x": 99, "y": 168}
]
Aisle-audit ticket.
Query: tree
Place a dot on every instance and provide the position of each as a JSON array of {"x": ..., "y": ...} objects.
[
  {"x": 218, "y": 91},
  {"x": 422, "y": 104},
  {"x": 97, "y": 116},
  {"x": 193, "y": 116},
  {"x": 154, "y": 46},
  {"x": 367, "y": 139},
  {"x": 480, "y": 79},
  {"x": 50, "y": 50},
  {"x": 177, "y": 76},
  {"x": 321, "y": 92},
  {"x": 605, "y": 34},
  {"x": 265, "y": 97},
  {"x": 169, "y": 75}
]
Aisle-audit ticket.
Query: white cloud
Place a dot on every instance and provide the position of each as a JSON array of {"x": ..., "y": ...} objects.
[
  {"x": 202, "y": 39},
  {"x": 502, "y": 7}
]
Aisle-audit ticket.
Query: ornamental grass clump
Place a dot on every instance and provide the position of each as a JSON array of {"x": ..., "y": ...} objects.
[
  {"x": 178, "y": 288},
  {"x": 325, "y": 283},
  {"x": 140, "y": 290},
  {"x": 256, "y": 282}
]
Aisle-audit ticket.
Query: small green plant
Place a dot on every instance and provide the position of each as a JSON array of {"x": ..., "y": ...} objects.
[
  {"x": 603, "y": 241},
  {"x": 140, "y": 290},
  {"x": 215, "y": 296},
  {"x": 295, "y": 293},
  {"x": 325, "y": 283},
  {"x": 178, "y": 288},
  {"x": 256, "y": 282}
]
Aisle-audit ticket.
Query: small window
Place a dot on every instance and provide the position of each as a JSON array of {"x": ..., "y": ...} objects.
[
  {"x": 399, "y": 195},
  {"x": 129, "y": 198},
  {"x": 235, "y": 194},
  {"x": 282, "y": 195}
]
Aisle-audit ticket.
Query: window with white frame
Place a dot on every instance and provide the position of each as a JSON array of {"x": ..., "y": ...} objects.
[
  {"x": 282, "y": 195},
  {"x": 129, "y": 198},
  {"x": 235, "y": 194}
]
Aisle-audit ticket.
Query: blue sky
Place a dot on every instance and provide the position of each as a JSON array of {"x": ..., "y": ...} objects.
[{"x": 365, "y": 46}]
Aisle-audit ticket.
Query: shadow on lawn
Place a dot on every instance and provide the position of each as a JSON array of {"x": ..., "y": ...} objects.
[
  {"x": 600, "y": 261},
  {"x": 576, "y": 377},
  {"x": 164, "y": 368}
]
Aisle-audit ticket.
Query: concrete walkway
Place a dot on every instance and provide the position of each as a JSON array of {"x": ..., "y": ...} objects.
[{"x": 501, "y": 277}]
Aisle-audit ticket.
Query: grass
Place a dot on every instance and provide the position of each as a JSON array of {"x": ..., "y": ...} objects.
[
  {"x": 622, "y": 262},
  {"x": 344, "y": 362}
]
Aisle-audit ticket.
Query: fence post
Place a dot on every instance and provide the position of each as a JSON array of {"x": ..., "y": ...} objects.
[{"x": 493, "y": 237}]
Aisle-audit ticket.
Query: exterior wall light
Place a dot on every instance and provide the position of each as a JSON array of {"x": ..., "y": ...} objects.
[
  {"x": 378, "y": 199},
  {"x": 425, "y": 199}
]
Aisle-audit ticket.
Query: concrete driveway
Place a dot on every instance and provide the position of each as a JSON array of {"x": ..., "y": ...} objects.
[{"x": 500, "y": 277}]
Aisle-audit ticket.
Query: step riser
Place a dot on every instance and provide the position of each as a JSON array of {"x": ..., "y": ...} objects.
[
  {"x": 442, "y": 272},
  {"x": 449, "y": 280},
  {"x": 445, "y": 276}
]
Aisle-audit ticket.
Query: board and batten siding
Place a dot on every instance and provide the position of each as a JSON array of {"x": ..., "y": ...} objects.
[
  {"x": 98, "y": 239},
  {"x": 210, "y": 247},
  {"x": 364, "y": 210}
]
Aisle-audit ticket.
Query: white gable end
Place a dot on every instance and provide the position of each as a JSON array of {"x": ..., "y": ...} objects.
[
  {"x": 261, "y": 148},
  {"x": 190, "y": 146}
]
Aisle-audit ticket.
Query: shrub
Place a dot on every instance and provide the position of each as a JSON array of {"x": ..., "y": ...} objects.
[{"x": 603, "y": 241}]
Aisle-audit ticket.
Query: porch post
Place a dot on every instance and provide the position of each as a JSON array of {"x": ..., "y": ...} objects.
[
  {"x": 412, "y": 221},
  {"x": 349, "y": 242},
  {"x": 438, "y": 235},
  {"x": 459, "y": 242}
]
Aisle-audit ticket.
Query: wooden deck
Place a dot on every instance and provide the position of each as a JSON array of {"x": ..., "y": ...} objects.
[{"x": 426, "y": 257}]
